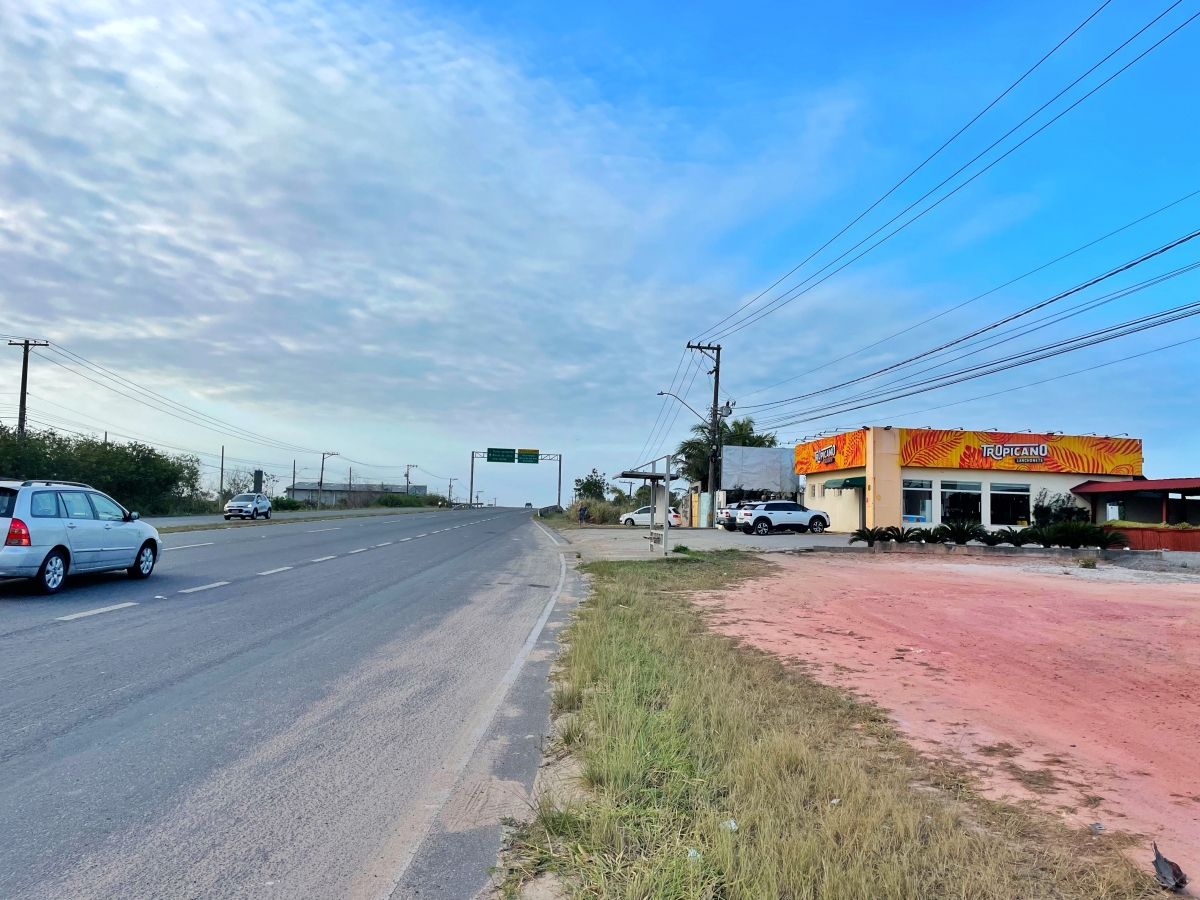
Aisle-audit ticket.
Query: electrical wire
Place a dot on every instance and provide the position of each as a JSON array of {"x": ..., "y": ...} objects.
[
  {"x": 991, "y": 367},
  {"x": 801, "y": 289},
  {"x": 1091, "y": 282},
  {"x": 905, "y": 179},
  {"x": 965, "y": 303}
]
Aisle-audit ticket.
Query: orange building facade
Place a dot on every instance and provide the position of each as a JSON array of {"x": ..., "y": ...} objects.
[{"x": 880, "y": 476}]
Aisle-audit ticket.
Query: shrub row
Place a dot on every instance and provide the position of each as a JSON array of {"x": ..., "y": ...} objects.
[{"x": 1072, "y": 534}]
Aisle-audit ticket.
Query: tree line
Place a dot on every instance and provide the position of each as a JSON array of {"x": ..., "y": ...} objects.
[{"x": 136, "y": 475}]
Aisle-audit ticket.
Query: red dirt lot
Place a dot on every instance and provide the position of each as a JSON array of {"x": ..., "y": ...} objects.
[{"x": 1078, "y": 688}]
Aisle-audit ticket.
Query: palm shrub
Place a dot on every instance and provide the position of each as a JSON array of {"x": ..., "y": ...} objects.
[
  {"x": 870, "y": 535},
  {"x": 1106, "y": 540},
  {"x": 904, "y": 535},
  {"x": 991, "y": 538},
  {"x": 922, "y": 536},
  {"x": 959, "y": 532},
  {"x": 1013, "y": 536}
]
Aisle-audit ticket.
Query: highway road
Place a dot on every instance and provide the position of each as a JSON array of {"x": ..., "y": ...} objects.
[{"x": 309, "y": 710}]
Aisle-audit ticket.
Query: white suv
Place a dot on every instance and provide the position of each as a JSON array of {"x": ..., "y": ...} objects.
[
  {"x": 763, "y": 518},
  {"x": 56, "y": 527},
  {"x": 248, "y": 506},
  {"x": 642, "y": 517}
]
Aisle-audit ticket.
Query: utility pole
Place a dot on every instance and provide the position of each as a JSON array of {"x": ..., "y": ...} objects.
[
  {"x": 714, "y": 450},
  {"x": 407, "y": 481},
  {"x": 350, "y": 488},
  {"x": 450, "y": 493},
  {"x": 293, "y": 479},
  {"x": 221, "y": 479},
  {"x": 471, "y": 489},
  {"x": 320, "y": 478},
  {"x": 26, "y": 344},
  {"x": 477, "y": 496}
]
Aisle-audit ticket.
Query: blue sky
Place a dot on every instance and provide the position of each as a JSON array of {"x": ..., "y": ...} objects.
[{"x": 408, "y": 231}]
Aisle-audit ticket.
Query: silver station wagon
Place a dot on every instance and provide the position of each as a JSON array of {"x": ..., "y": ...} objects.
[{"x": 59, "y": 527}]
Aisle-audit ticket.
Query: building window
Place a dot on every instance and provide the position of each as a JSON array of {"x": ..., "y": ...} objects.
[
  {"x": 962, "y": 501},
  {"x": 918, "y": 501},
  {"x": 1010, "y": 504}
]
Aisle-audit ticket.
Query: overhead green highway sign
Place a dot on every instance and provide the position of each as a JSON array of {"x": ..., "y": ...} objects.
[
  {"x": 527, "y": 456},
  {"x": 499, "y": 454}
]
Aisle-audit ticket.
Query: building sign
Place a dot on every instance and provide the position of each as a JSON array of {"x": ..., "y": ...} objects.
[
  {"x": 842, "y": 451},
  {"x": 1082, "y": 455}
]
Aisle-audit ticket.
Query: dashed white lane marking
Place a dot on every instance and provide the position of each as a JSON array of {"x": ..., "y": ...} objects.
[
  {"x": 94, "y": 612},
  {"x": 205, "y": 587},
  {"x": 323, "y": 558},
  {"x": 359, "y": 550},
  {"x": 189, "y": 546},
  {"x": 386, "y": 543},
  {"x": 402, "y": 540},
  {"x": 422, "y": 535},
  {"x": 274, "y": 571},
  {"x": 319, "y": 530}
]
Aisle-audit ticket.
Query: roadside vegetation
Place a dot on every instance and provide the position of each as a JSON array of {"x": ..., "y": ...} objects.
[
  {"x": 715, "y": 771},
  {"x": 1068, "y": 533},
  {"x": 137, "y": 476}
]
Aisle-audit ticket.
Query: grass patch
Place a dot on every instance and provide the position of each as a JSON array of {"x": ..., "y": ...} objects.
[{"x": 680, "y": 730}]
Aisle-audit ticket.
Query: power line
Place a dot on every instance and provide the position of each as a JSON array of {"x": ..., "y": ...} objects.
[
  {"x": 964, "y": 303},
  {"x": 1124, "y": 267},
  {"x": 991, "y": 367},
  {"x": 903, "y": 180},
  {"x": 800, "y": 290}
]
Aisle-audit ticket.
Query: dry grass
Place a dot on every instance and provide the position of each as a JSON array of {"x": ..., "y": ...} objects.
[{"x": 680, "y": 730}]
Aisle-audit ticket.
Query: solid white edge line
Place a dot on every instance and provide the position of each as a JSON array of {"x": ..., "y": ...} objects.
[
  {"x": 485, "y": 723},
  {"x": 323, "y": 558},
  {"x": 359, "y": 550},
  {"x": 205, "y": 587},
  {"x": 274, "y": 571},
  {"x": 94, "y": 612},
  {"x": 189, "y": 546},
  {"x": 551, "y": 535}
]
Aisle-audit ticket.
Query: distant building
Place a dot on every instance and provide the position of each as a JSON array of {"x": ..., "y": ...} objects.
[{"x": 360, "y": 493}]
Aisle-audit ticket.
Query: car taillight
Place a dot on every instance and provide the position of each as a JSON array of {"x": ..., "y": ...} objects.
[{"x": 18, "y": 534}]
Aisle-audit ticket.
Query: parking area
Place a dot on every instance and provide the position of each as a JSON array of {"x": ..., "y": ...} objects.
[{"x": 620, "y": 542}]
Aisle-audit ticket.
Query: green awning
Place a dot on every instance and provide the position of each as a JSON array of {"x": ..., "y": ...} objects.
[{"x": 838, "y": 483}]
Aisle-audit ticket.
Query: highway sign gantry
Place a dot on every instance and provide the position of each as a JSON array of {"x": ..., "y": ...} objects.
[
  {"x": 501, "y": 455},
  {"x": 527, "y": 456}
]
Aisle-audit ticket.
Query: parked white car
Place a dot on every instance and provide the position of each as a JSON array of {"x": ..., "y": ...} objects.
[
  {"x": 781, "y": 515},
  {"x": 248, "y": 506},
  {"x": 642, "y": 517},
  {"x": 58, "y": 527}
]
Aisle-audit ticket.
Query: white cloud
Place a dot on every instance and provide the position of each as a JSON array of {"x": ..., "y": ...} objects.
[{"x": 288, "y": 208}]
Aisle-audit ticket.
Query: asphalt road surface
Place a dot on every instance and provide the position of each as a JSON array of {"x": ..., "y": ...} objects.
[{"x": 313, "y": 710}]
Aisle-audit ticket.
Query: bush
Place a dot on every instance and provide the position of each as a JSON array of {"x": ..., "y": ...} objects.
[
  {"x": 137, "y": 476},
  {"x": 408, "y": 500},
  {"x": 870, "y": 535},
  {"x": 600, "y": 512},
  {"x": 1074, "y": 535},
  {"x": 922, "y": 536},
  {"x": 1013, "y": 536},
  {"x": 959, "y": 532},
  {"x": 904, "y": 535},
  {"x": 287, "y": 504}
]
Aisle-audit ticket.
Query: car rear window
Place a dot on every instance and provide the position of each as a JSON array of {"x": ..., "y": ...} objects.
[
  {"x": 44, "y": 505},
  {"x": 8, "y": 500}
]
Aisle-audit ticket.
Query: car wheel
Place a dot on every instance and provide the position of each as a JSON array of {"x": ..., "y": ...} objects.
[
  {"x": 729, "y": 527},
  {"x": 630, "y": 522},
  {"x": 227, "y": 518},
  {"x": 254, "y": 514},
  {"x": 267, "y": 514},
  {"x": 817, "y": 526},
  {"x": 762, "y": 527},
  {"x": 143, "y": 565},
  {"x": 53, "y": 573},
  {"x": 746, "y": 529}
]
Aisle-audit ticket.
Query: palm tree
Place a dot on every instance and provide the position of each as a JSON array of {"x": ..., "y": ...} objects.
[{"x": 738, "y": 433}]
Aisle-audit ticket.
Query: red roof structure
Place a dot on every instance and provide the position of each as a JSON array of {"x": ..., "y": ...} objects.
[{"x": 1169, "y": 485}]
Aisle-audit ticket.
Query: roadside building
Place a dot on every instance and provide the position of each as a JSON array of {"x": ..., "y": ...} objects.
[
  {"x": 360, "y": 493},
  {"x": 922, "y": 477}
]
